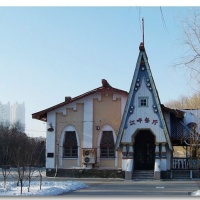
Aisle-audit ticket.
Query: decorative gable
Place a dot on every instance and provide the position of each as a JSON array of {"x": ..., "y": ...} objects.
[{"x": 143, "y": 109}]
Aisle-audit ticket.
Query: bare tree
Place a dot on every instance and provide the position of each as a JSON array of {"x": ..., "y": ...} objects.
[
  {"x": 20, "y": 158},
  {"x": 191, "y": 40},
  {"x": 6, "y": 145},
  {"x": 185, "y": 102},
  {"x": 5, "y": 172},
  {"x": 21, "y": 152}
]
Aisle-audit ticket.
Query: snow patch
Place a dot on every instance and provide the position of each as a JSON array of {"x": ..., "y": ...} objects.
[{"x": 48, "y": 188}]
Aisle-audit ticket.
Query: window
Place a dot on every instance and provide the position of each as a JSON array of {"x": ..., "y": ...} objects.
[
  {"x": 70, "y": 148},
  {"x": 143, "y": 101},
  {"x": 107, "y": 147},
  {"x": 50, "y": 155}
]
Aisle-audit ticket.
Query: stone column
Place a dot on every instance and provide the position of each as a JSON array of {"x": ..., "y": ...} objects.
[
  {"x": 131, "y": 151},
  {"x": 124, "y": 152},
  {"x": 163, "y": 151},
  {"x": 131, "y": 154},
  {"x": 124, "y": 157},
  {"x": 157, "y": 163},
  {"x": 163, "y": 157},
  {"x": 127, "y": 160}
]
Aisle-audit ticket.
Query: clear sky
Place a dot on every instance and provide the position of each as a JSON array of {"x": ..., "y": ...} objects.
[{"x": 47, "y": 53}]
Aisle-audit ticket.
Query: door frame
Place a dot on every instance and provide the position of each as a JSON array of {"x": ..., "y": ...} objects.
[{"x": 144, "y": 150}]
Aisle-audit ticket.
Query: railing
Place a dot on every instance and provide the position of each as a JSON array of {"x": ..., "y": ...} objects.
[{"x": 185, "y": 163}]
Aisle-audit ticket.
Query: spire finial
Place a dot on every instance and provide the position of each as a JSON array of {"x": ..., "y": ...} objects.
[
  {"x": 143, "y": 30},
  {"x": 141, "y": 47}
]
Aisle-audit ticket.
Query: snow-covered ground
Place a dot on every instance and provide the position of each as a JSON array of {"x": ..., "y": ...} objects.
[
  {"x": 48, "y": 188},
  {"x": 197, "y": 193}
]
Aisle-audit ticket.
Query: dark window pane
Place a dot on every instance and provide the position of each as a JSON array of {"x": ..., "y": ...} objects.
[
  {"x": 50, "y": 155},
  {"x": 107, "y": 145},
  {"x": 70, "y": 148}
]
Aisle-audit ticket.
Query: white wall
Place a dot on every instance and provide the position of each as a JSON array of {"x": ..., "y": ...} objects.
[
  {"x": 50, "y": 140},
  {"x": 143, "y": 112}
]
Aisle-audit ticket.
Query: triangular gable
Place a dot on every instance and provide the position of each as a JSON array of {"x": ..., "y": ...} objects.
[
  {"x": 142, "y": 74},
  {"x": 106, "y": 87}
]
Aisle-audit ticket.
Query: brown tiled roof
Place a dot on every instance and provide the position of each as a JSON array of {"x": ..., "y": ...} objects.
[{"x": 42, "y": 115}]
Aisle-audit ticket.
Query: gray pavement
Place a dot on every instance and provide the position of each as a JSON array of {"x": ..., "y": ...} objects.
[
  {"x": 110, "y": 187},
  {"x": 117, "y": 188}
]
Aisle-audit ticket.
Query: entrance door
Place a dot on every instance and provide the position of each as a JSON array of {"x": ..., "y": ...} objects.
[{"x": 144, "y": 151}]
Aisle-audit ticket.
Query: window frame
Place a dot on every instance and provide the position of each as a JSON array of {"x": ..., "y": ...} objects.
[
  {"x": 70, "y": 150},
  {"x": 143, "y": 101},
  {"x": 107, "y": 150}
]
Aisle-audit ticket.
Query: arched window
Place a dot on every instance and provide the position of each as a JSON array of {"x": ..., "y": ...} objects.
[
  {"x": 70, "y": 148},
  {"x": 107, "y": 146}
]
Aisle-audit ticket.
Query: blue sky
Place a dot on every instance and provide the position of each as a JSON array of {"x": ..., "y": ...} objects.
[{"x": 47, "y": 53}]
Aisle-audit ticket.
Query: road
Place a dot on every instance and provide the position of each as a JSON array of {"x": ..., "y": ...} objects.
[{"x": 116, "y": 188}]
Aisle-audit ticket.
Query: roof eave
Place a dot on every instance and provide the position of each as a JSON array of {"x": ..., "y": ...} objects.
[{"x": 42, "y": 115}]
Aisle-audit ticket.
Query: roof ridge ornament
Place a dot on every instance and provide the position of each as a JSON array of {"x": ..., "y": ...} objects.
[
  {"x": 105, "y": 83},
  {"x": 141, "y": 47}
]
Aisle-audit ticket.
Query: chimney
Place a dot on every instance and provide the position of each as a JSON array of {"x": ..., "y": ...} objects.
[{"x": 68, "y": 98}]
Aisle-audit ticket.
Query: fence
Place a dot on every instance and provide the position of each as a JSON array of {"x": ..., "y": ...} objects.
[{"x": 185, "y": 163}]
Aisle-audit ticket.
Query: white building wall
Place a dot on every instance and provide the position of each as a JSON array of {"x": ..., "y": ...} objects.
[
  {"x": 143, "y": 113},
  {"x": 192, "y": 116},
  {"x": 50, "y": 140},
  {"x": 88, "y": 119},
  {"x": 87, "y": 123}
]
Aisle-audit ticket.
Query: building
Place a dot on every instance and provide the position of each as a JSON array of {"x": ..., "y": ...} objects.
[
  {"x": 108, "y": 132},
  {"x": 5, "y": 112},
  {"x": 17, "y": 113},
  {"x": 12, "y": 113}
]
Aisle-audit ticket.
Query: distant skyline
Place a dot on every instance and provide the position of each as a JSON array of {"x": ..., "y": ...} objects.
[
  {"x": 12, "y": 113},
  {"x": 47, "y": 53}
]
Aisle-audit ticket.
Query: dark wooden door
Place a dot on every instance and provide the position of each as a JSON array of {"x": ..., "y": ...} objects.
[{"x": 144, "y": 151}]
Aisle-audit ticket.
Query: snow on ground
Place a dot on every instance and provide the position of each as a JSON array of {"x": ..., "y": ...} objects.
[
  {"x": 197, "y": 193},
  {"x": 48, "y": 188}
]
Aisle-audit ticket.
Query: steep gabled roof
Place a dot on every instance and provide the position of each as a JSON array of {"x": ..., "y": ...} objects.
[
  {"x": 142, "y": 58},
  {"x": 106, "y": 87}
]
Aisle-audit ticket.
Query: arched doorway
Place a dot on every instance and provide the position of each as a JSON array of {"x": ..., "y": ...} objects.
[{"x": 144, "y": 151}]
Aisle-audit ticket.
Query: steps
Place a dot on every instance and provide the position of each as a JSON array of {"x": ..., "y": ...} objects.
[
  {"x": 143, "y": 175},
  {"x": 180, "y": 174},
  {"x": 149, "y": 174}
]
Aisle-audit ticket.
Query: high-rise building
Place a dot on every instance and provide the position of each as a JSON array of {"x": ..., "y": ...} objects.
[
  {"x": 5, "y": 112},
  {"x": 17, "y": 113},
  {"x": 12, "y": 113}
]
